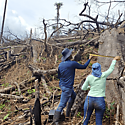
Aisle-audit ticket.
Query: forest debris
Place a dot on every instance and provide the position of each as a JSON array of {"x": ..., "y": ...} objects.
[
  {"x": 43, "y": 72},
  {"x": 9, "y": 96},
  {"x": 18, "y": 88},
  {"x": 68, "y": 38},
  {"x": 70, "y": 43},
  {"x": 37, "y": 71},
  {"x": 77, "y": 57},
  {"x": 52, "y": 105},
  {"x": 94, "y": 39},
  {"x": 45, "y": 85},
  {"x": 23, "y": 83},
  {"x": 79, "y": 42}
]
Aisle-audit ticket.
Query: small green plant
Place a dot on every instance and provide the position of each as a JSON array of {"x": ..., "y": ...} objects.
[
  {"x": 3, "y": 79},
  {"x": 17, "y": 93},
  {"x": 6, "y": 85},
  {"x": 109, "y": 111},
  {"x": 33, "y": 90},
  {"x": 2, "y": 106},
  {"x": 29, "y": 98},
  {"x": 87, "y": 56},
  {"x": 51, "y": 76},
  {"x": 30, "y": 91},
  {"x": 43, "y": 58},
  {"x": 70, "y": 40},
  {"x": 22, "y": 56},
  {"x": 5, "y": 117},
  {"x": 112, "y": 107},
  {"x": 50, "y": 88},
  {"x": 44, "y": 83},
  {"x": 90, "y": 64},
  {"x": 56, "y": 78},
  {"x": 80, "y": 62},
  {"x": 79, "y": 114},
  {"x": 89, "y": 38},
  {"x": 59, "y": 56}
]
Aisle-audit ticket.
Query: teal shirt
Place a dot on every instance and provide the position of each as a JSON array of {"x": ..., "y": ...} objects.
[{"x": 97, "y": 85}]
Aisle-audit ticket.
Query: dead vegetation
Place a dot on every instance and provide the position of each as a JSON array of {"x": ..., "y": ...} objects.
[{"x": 29, "y": 85}]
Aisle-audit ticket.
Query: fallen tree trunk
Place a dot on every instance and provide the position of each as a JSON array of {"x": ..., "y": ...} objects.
[
  {"x": 75, "y": 43},
  {"x": 74, "y": 37},
  {"x": 39, "y": 72}
]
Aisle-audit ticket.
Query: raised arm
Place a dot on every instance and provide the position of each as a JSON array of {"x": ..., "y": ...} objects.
[
  {"x": 79, "y": 66},
  {"x": 111, "y": 68}
]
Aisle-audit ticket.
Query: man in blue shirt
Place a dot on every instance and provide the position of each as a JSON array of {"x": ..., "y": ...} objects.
[{"x": 66, "y": 74}]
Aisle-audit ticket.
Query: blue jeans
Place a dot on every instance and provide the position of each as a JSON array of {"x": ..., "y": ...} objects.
[
  {"x": 97, "y": 103},
  {"x": 67, "y": 95}
]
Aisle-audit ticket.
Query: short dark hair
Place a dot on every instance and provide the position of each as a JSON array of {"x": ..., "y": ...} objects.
[{"x": 70, "y": 57}]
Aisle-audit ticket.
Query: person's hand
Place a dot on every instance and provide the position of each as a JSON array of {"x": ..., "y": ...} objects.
[
  {"x": 117, "y": 58},
  {"x": 90, "y": 56}
]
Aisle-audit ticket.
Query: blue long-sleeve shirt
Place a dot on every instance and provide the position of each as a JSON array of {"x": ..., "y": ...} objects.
[{"x": 66, "y": 72}]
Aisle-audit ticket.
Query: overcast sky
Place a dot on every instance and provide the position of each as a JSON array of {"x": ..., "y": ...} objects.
[{"x": 22, "y": 15}]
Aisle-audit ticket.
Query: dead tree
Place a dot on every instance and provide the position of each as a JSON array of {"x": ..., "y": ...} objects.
[
  {"x": 45, "y": 41},
  {"x": 94, "y": 19},
  {"x": 3, "y": 20}
]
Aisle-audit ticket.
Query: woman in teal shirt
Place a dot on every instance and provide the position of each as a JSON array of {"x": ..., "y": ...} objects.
[{"x": 96, "y": 82}]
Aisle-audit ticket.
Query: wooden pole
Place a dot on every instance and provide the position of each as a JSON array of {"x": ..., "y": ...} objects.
[{"x": 3, "y": 21}]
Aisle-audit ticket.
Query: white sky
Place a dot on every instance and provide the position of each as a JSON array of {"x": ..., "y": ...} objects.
[{"x": 22, "y": 15}]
